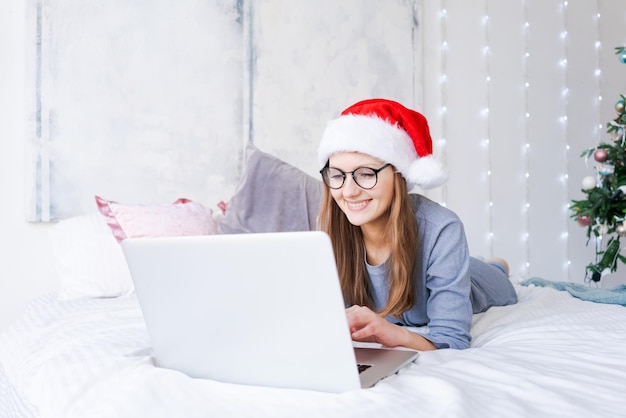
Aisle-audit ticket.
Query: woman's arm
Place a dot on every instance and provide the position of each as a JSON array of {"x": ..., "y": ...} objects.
[
  {"x": 448, "y": 307},
  {"x": 367, "y": 326}
]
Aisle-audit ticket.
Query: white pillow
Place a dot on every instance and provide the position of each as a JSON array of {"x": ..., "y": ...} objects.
[{"x": 89, "y": 260}]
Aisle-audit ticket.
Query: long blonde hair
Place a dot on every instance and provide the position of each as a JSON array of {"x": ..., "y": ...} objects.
[{"x": 347, "y": 241}]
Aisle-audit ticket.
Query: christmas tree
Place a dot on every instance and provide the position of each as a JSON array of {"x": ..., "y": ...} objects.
[{"x": 603, "y": 211}]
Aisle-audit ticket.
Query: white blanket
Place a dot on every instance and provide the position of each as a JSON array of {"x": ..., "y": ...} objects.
[{"x": 551, "y": 355}]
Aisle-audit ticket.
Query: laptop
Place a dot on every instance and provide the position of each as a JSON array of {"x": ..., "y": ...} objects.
[{"x": 257, "y": 309}]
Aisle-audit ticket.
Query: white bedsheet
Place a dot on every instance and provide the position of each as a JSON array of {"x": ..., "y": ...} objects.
[{"x": 551, "y": 355}]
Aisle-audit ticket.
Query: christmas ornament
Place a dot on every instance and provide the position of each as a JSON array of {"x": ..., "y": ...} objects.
[
  {"x": 600, "y": 155},
  {"x": 589, "y": 183},
  {"x": 606, "y": 169},
  {"x": 621, "y": 230},
  {"x": 619, "y": 106},
  {"x": 583, "y": 220}
]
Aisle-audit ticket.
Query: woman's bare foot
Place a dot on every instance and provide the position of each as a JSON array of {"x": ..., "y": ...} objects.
[{"x": 500, "y": 263}]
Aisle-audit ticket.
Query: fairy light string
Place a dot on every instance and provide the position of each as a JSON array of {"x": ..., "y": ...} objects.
[
  {"x": 565, "y": 120},
  {"x": 486, "y": 114},
  {"x": 444, "y": 96},
  {"x": 526, "y": 149}
]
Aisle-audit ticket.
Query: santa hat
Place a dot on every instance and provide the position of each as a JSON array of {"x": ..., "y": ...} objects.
[{"x": 390, "y": 132}]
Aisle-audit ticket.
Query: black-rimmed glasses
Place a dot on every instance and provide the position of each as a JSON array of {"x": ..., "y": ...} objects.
[{"x": 364, "y": 177}]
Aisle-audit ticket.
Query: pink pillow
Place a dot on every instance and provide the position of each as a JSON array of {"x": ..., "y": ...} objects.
[{"x": 183, "y": 217}]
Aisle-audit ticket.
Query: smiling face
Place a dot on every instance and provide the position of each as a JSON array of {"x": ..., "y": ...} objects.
[{"x": 365, "y": 208}]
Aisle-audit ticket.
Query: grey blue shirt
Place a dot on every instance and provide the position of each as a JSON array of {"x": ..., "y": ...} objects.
[{"x": 445, "y": 296}]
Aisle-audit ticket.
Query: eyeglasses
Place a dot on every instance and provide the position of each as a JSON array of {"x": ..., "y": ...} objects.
[{"x": 364, "y": 177}]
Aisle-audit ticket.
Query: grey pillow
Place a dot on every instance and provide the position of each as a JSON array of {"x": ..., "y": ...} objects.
[{"x": 272, "y": 196}]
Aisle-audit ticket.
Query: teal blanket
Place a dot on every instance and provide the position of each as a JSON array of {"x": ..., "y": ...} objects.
[{"x": 616, "y": 295}]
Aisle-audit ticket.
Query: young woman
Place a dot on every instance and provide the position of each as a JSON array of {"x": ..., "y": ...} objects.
[{"x": 403, "y": 260}]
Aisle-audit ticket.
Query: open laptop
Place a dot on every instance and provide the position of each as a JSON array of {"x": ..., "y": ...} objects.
[{"x": 259, "y": 309}]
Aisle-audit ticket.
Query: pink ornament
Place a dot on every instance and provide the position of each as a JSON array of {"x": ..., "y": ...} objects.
[
  {"x": 583, "y": 220},
  {"x": 600, "y": 155}
]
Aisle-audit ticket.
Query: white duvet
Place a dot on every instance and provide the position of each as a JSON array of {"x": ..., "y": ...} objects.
[{"x": 550, "y": 355}]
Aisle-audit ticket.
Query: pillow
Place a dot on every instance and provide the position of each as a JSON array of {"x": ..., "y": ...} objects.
[
  {"x": 183, "y": 217},
  {"x": 272, "y": 196},
  {"x": 89, "y": 261}
]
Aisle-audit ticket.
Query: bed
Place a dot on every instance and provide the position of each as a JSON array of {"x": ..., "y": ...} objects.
[
  {"x": 83, "y": 351},
  {"x": 549, "y": 355}
]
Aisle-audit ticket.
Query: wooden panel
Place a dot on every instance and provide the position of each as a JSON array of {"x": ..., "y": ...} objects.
[
  {"x": 547, "y": 140},
  {"x": 139, "y": 104},
  {"x": 507, "y": 105},
  {"x": 467, "y": 150},
  {"x": 583, "y": 111}
]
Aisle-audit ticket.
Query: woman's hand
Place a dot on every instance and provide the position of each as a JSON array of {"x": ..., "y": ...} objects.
[{"x": 367, "y": 326}]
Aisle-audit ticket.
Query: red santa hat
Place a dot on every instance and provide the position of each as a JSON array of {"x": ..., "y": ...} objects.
[{"x": 390, "y": 132}]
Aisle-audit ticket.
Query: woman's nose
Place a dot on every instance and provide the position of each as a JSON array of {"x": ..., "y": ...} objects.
[{"x": 350, "y": 188}]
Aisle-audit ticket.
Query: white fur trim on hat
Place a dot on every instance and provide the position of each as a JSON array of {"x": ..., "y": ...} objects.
[{"x": 378, "y": 138}]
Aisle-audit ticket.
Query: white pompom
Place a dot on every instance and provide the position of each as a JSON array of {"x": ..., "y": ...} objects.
[{"x": 427, "y": 173}]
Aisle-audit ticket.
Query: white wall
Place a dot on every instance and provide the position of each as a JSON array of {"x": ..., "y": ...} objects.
[
  {"x": 25, "y": 263},
  {"x": 136, "y": 149},
  {"x": 303, "y": 66}
]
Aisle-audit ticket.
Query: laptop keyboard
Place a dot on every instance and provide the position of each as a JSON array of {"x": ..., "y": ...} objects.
[{"x": 363, "y": 367}]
